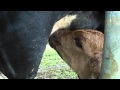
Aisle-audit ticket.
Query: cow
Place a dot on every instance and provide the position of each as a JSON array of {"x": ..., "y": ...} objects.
[
  {"x": 81, "y": 50},
  {"x": 24, "y": 35}
]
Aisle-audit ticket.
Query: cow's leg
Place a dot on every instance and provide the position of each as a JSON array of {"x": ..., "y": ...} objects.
[
  {"x": 23, "y": 38},
  {"x": 2, "y": 76}
]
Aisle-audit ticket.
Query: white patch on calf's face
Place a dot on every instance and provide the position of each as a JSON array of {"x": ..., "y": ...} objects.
[{"x": 63, "y": 23}]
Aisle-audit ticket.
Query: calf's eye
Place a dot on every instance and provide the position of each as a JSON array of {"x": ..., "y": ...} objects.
[{"x": 78, "y": 43}]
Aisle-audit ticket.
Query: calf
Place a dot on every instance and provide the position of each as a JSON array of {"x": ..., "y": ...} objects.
[
  {"x": 24, "y": 34},
  {"x": 81, "y": 50}
]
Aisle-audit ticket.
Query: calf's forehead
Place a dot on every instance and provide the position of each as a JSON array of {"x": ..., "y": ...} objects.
[{"x": 90, "y": 37}]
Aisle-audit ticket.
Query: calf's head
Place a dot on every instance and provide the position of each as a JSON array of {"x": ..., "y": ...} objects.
[{"x": 81, "y": 50}]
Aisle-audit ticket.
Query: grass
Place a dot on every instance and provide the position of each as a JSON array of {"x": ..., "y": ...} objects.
[{"x": 53, "y": 67}]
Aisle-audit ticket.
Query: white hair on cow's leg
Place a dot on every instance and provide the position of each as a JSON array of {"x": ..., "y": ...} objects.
[
  {"x": 2, "y": 76},
  {"x": 32, "y": 70},
  {"x": 63, "y": 23}
]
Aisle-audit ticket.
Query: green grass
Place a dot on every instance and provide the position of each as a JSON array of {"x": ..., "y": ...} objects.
[{"x": 53, "y": 67}]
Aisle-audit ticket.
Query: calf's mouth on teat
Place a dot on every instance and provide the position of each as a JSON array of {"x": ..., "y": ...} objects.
[{"x": 81, "y": 50}]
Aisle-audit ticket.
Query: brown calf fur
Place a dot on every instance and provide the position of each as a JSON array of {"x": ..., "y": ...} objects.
[{"x": 81, "y": 50}]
